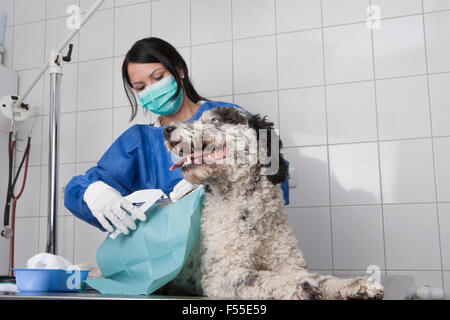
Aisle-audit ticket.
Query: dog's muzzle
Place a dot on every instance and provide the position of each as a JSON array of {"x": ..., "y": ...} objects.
[{"x": 204, "y": 153}]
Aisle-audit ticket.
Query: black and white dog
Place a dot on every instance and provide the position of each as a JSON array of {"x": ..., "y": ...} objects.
[{"x": 246, "y": 249}]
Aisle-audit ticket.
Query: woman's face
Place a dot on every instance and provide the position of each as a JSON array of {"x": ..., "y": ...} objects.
[{"x": 145, "y": 74}]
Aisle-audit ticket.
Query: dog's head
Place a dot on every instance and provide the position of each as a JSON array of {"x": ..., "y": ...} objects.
[{"x": 226, "y": 145}]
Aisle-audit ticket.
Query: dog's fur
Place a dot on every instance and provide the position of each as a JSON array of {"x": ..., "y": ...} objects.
[{"x": 246, "y": 248}]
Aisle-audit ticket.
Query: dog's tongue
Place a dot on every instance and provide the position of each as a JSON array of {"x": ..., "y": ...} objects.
[
  {"x": 177, "y": 164},
  {"x": 195, "y": 157},
  {"x": 198, "y": 158}
]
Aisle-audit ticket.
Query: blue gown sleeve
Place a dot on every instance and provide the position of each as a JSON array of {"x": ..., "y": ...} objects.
[{"x": 118, "y": 168}]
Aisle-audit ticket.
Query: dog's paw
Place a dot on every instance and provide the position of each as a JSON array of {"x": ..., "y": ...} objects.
[
  {"x": 296, "y": 289},
  {"x": 363, "y": 289},
  {"x": 310, "y": 290}
]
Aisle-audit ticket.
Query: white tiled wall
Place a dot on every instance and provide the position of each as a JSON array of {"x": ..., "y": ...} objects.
[{"x": 364, "y": 114}]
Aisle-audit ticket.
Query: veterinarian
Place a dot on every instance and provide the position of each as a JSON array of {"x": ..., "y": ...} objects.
[{"x": 155, "y": 73}]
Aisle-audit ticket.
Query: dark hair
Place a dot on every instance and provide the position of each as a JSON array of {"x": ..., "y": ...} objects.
[
  {"x": 151, "y": 50},
  {"x": 257, "y": 122}
]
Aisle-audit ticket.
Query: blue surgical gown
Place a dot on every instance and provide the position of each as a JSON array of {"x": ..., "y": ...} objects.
[{"x": 137, "y": 160}]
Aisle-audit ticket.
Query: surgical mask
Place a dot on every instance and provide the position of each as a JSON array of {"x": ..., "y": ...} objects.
[{"x": 159, "y": 97}]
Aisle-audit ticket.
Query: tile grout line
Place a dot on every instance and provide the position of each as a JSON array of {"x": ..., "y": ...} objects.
[
  {"x": 244, "y": 38},
  {"x": 151, "y": 115},
  {"x": 232, "y": 53},
  {"x": 269, "y": 90},
  {"x": 365, "y": 141},
  {"x": 12, "y": 43},
  {"x": 76, "y": 131},
  {"x": 380, "y": 180},
  {"x": 190, "y": 37},
  {"x": 113, "y": 67},
  {"x": 394, "y": 270},
  {"x": 432, "y": 145},
  {"x": 151, "y": 17},
  {"x": 364, "y": 205},
  {"x": 278, "y": 73},
  {"x": 40, "y": 217},
  {"x": 42, "y": 137},
  {"x": 12, "y": 67},
  {"x": 327, "y": 138},
  {"x": 284, "y": 147},
  {"x": 132, "y": 4},
  {"x": 190, "y": 69},
  {"x": 14, "y": 162}
]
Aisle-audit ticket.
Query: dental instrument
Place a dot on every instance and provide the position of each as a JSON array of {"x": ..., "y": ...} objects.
[{"x": 143, "y": 199}]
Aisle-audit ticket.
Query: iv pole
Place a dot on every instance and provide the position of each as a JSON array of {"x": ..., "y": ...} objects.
[{"x": 55, "y": 71}]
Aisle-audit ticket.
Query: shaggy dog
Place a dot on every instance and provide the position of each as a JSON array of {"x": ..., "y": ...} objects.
[{"x": 246, "y": 248}]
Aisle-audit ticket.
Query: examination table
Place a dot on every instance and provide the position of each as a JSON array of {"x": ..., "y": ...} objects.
[{"x": 398, "y": 287}]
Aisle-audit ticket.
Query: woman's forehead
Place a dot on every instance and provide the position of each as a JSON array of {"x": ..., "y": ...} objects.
[{"x": 144, "y": 68}]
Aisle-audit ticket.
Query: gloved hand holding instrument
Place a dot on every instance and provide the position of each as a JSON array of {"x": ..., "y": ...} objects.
[{"x": 106, "y": 202}]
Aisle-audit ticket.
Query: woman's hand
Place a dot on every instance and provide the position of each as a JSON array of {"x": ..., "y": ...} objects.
[{"x": 106, "y": 203}]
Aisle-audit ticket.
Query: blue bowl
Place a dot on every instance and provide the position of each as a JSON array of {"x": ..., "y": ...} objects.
[{"x": 49, "y": 279}]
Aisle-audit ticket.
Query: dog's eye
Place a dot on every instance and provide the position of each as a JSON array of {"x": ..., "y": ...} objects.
[{"x": 215, "y": 120}]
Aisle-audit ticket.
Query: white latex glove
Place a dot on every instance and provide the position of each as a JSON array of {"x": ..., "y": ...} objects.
[
  {"x": 181, "y": 189},
  {"x": 106, "y": 202}
]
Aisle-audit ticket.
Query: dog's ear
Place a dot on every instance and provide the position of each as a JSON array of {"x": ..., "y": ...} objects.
[{"x": 257, "y": 123}]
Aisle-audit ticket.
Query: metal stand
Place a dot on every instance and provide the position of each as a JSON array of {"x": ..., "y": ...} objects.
[
  {"x": 54, "y": 64},
  {"x": 55, "y": 71}
]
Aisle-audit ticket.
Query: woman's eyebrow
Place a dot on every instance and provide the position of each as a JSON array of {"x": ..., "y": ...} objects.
[
  {"x": 139, "y": 82},
  {"x": 154, "y": 72}
]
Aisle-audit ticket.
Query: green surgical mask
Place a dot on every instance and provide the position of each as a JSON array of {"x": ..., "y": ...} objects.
[{"x": 160, "y": 97}]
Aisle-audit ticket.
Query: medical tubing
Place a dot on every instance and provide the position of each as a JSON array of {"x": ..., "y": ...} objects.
[
  {"x": 8, "y": 192},
  {"x": 11, "y": 185},
  {"x": 25, "y": 156},
  {"x": 24, "y": 177},
  {"x": 15, "y": 199},
  {"x": 10, "y": 189},
  {"x": 13, "y": 228}
]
